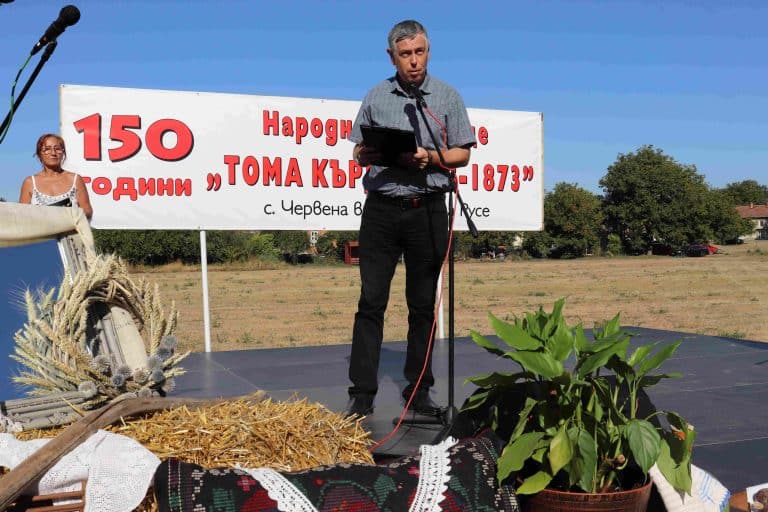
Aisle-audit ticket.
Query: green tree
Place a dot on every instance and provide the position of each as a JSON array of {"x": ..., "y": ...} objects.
[
  {"x": 150, "y": 247},
  {"x": 158, "y": 247},
  {"x": 229, "y": 246},
  {"x": 650, "y": 197},
  {"x": 538, "y": 244},
  {"x": 467, "y": 246},
  {"x": 725, "y": 222},
  {"x": 291, "y": 243},
  {"x": 745, "y": 192},
  {"x": 331, "y": 243},
  {"x": 573, "y": 219}
]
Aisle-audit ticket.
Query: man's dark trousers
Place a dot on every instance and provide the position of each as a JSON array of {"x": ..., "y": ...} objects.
[{"x": 390, "y": 227}]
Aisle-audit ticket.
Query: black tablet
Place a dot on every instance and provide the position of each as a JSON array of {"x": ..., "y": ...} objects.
[
  {"x": 390, "y": 142},
  {"x": 63, "y": 202}
]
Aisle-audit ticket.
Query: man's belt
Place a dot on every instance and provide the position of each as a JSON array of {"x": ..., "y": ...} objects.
[{"x": 408, "y": 203}]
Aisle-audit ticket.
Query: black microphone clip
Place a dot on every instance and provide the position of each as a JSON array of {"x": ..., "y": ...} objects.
[
  {"x": 68, "y": 16},
  {"x": 415, "y": 92}
]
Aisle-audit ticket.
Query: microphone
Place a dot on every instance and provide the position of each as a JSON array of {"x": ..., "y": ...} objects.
[
  {"x": 68, "y": 16},
  {"x": 416, "y": 93}
]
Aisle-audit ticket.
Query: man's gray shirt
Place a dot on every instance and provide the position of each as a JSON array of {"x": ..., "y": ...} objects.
[{"x": 388, "y": 105}]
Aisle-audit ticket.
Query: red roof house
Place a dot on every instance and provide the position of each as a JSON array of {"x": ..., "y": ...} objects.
[{"x": 758, "y": 214}]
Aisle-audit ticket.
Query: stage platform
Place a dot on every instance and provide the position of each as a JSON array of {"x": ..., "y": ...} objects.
[{"x": 720, "y": 393}]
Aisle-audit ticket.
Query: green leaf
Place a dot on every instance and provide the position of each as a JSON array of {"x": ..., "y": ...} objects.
[
  {"x": 496, "y": 379},
  {"x": 534, "y": 483},
  {"x": 583, "y": 465},
  {"x": 678, "y": 475},
  {"x": 560, "y": 450},
  {"x": 485, "y": 343},
  {"x": 556, "y": 317},
  {"x": 561, "y": 342},
  {"x": 607, "y": 342},
  {"x": 539, "y": 453},
  {"x": 539, "y": 363},
  {"x": 580, "y": 340},
  {"x": 675, "y": 419},
  {"x": 514, "y": 335},
  {"x": 644, "y": 443},
  {"x": 475, "y": 400},
  {"x": 532, "y": 324},
  {"x": 530, "y": 403},
  {"x": 651, "y": 380},
  {"x": 613, "y": 326},
  {"x": 516, "y": 453},
  {"x": 640, "y": 354},
  {"x": 590, "y": 363},
  {"x": 680, "y": 441},
  {"x": 659, "y": 357}
]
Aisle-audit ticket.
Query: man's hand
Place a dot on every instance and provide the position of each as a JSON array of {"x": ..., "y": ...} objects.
[
  {"x": 365, "y": 155},
  {"x": 418, "y": 160}
]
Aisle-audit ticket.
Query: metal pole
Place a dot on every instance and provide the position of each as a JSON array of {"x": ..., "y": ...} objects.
[{"x": 204, "y": 271}]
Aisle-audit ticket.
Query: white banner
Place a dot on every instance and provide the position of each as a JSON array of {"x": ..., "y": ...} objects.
[{"x": 187, "y": 160}]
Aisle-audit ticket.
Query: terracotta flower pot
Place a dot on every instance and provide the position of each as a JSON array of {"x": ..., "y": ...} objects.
[{"x": 549, "y": 500}]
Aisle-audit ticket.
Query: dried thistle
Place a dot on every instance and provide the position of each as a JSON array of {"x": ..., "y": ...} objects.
[{"x": 89, "y": 388}]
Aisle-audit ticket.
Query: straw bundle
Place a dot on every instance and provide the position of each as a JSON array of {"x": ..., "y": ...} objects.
[{"x": 285, "y": 436}]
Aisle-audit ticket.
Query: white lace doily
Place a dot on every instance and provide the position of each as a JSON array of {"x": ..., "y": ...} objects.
[
  {"x": 118, "y": 468},
  {"x": 8, "y": 425},
  {"x": 434, "y": 466},
  {"x": 281, "y": 491}
]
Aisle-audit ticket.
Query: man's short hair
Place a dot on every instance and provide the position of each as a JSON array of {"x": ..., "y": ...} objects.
[{"x": 406, "y": 30}]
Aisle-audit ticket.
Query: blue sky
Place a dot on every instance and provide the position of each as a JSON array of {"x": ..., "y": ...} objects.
[{"x": 688, "y": 77}]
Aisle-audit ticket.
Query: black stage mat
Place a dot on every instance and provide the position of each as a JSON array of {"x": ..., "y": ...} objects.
[{"x": 724, "y": 381}]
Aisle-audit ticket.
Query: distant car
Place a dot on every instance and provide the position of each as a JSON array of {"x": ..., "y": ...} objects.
[
  {"x": 735, "y": 241},
  {"x": 696, "y": 250},
  {"x": 658, "y": 249}
]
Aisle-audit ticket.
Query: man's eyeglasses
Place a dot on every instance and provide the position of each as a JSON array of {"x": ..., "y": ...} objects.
[{"x": 55, "y": 149}]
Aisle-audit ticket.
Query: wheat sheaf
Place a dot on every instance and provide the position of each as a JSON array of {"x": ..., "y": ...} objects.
[{"x": 52, "y": 345}]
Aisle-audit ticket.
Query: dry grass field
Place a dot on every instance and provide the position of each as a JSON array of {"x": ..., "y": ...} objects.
[{"x": 720, "y": 295}]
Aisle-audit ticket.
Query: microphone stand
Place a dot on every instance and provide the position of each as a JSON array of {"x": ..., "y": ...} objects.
[
  {"x": 50, "y": 47},
  {"x": 447, "y": 418}
]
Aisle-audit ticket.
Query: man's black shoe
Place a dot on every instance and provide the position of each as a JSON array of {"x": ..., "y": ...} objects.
[
  {"x": 359, "y": 405},
  {"x": 423, "y": 404}
]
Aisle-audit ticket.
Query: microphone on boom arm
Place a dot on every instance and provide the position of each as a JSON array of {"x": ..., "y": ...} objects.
[
  {"x": 415, "y": 92},
  {"x": 68, "y": 16}
]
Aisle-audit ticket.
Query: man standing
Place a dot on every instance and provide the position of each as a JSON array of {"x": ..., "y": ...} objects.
[{"x": 405, "y": 212}]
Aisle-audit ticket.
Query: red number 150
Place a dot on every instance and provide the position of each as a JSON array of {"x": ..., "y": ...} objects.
[{"x": 130, "y": 142}]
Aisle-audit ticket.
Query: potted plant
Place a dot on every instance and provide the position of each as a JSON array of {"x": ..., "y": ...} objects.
[{"x": 584, "y": 430}]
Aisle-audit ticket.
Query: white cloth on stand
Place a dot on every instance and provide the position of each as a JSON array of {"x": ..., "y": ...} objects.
[
  {"x": 119, "y": 470},
  {"x": 22, "y": 224},
  {"x": 707, "y": 493}
]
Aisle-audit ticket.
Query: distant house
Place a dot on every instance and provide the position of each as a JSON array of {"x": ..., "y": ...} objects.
[{"x": 758, "y": 214}]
